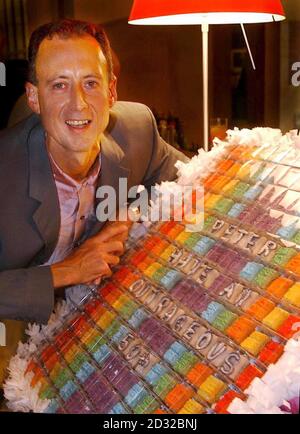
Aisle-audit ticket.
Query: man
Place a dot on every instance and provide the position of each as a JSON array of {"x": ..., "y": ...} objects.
[{"x": 52, "y": 163}]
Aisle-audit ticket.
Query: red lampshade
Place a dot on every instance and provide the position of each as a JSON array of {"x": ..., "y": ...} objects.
[{"x": 205, "y": 11}]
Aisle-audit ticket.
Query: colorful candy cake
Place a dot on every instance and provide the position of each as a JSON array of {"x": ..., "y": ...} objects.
[{"x": 190, "y": 322}]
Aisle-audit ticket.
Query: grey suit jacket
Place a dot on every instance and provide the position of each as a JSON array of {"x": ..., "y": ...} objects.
[{"x": 30, "y": 214}]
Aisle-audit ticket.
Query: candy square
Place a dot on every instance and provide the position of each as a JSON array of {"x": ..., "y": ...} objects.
[
  {"x": 211, "y": 389},
  {"x": 294, "y": 265},
  {"x": 292, "y": 296},
  {"x": 212, "y": 311},
  {"x": 223, "y": 205},
  {"x": 198, "y": 374},
  {"x": 192, "y": 407},
  {"x": 255, "y": 342},
  {"x": 283, "y": 255},
  {"x": 279, "y": 286},
  {"x": 250, "y": 270},
  {"x": 275, "y": 318},
  {"x": 240, "y": 329},
  {"x": 176, "y": 399},
  {"x": 265, "y": 276},
  {"x": 221, "y": 406},
  {"x": 224, "y": 319},
  {"x": 271, "y": 352},
  {"x": 290, "y": 327},
  {"x": 247, "y": 376},
  {"x": 261, "y": 308}
]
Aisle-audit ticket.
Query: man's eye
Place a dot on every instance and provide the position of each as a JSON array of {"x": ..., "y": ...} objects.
[
  {"x": 91, "y": 84},
  {"x": 59, "y": 86}
]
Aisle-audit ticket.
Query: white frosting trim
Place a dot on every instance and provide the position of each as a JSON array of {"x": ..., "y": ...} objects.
[{"x": 17, "y": 390}]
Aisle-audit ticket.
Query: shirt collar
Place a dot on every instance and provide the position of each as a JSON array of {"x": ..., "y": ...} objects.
[{"x": 90, "y": 179}]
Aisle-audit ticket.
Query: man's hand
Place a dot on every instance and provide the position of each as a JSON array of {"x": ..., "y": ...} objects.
[{"x": 92, "y": 260}]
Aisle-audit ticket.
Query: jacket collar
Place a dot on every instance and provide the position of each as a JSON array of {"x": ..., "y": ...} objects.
[
  {"x": 112, "y": 159},
  {"x": 42, "y": 188}
]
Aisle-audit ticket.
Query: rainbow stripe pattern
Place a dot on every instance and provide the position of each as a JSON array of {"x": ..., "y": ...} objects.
[{"x": 188, "y": 320}]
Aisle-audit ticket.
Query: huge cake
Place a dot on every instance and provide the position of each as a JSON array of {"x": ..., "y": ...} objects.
[{"x": 190, "y": 322}]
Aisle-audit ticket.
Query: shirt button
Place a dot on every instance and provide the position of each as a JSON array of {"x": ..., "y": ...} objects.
[{"x": 82, "y": 217}]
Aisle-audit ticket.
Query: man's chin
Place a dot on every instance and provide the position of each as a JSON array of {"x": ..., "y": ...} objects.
[
  {"x": 79, "y": 147},
  {"x": 84, "y": 142}
]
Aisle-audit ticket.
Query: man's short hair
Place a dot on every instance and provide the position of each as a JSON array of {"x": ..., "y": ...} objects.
[{"x": 65, "y": 29}]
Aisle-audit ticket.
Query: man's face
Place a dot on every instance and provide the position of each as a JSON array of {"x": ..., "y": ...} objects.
[{"x": 73, "y": 94}]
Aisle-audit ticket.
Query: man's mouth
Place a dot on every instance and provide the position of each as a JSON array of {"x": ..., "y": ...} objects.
[{"x": 78, "y": 124}]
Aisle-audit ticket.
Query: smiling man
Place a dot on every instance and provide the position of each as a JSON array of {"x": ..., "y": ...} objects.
[
  {"x": 73, "y": 90},
  {"x": 51, "y": 165}
]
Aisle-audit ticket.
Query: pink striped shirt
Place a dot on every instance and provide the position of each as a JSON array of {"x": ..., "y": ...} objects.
[{"x": 77, "y": 208}]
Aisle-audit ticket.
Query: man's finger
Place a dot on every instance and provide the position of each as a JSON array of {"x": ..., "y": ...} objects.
[
  {"x": 107, "y": 272},
  {"x": 111, "y": 259},
  {"x": 121, "y": 237},
  {"x": 111, "y": 231},
  {"x": 113, "y": 247}
]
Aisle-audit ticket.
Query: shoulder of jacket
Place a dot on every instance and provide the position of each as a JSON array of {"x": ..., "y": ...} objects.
[
  {"x": 13, "y": 140},
  {"x": 124, "y": 112}
]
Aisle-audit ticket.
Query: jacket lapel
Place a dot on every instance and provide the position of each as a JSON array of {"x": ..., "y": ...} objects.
[{"x": 42, "y": 188}]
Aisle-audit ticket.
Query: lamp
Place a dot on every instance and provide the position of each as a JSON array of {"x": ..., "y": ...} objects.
[{"x": 205, "y": 12}]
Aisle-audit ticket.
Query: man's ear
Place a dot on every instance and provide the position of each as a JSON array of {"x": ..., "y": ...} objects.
[
  {"x": 32, "y": 97},
  {"x": 113, "y": 94}
]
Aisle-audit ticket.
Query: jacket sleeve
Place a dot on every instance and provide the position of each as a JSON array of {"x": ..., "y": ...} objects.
[
  {"x": 163, "y": 159},
  {"x": 27, "y": 294}
]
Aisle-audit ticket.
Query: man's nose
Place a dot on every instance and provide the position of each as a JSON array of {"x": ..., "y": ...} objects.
[{"x": 78, "y": 98}]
